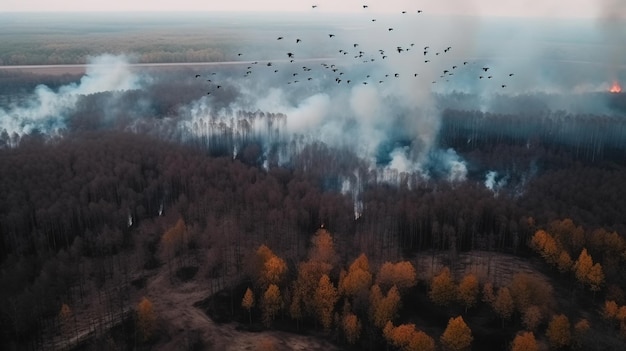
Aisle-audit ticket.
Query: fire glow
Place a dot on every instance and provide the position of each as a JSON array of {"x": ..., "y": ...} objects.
[{"x": 615, "y": 88}]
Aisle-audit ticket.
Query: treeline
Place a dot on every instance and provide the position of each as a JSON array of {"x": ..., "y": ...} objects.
[{"x": 587, "y": 137}]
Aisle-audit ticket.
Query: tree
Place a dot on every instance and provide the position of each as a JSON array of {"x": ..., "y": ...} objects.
[
  {"x": 543, "y": 243},
  {"x": 442, "y": 288},
  {"x": 558, "y": 332},
  {"x": 610, "y": 310},
  {"x": 146, "y": 318},
  {"x": 358, "y": 278},
  {"x": 457, "y": 336},
  {"x": 582, "y": 267},
  {"x": 595, "y": 277},
  {"x": 580, "y": 331},
  {"x": 524, "y": 342},
  {"x": 488, "y": 295},
  {"x": 407, "y": 338},
  {"x": 468, "y": 291},
  {"x": 564, "y": 263},
  {"x": 531, "y": 317},
  {"x": 351, "y": 327},
  {"x": 503, "y": 305},
  {"x": 384, "y": 308},
  {"x": 271, "y": 304},
  {"x": 401, "y": 274},
  {"x": 325, "y": 298},
  {"x": 323, "y": 249},
  {"x": 247, "y": 302}
]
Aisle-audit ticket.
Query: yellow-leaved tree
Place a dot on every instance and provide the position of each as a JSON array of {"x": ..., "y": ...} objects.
[
  {"x": 524, "y": 342},
  {"x": 247, "y": 302},
  {"x": 271, "y": 304},
  {"x": 558, "y": 332},
  {"x": 351, "y": 328},
  {"x": 468, "y": 291},
  {"x": 442, "y": 288},
  {"x": 457, "y": 336},
  {"x": 324, "y": 299},
  {"x": 407, "y": 338},
  {"x": 146, "y": 319}
]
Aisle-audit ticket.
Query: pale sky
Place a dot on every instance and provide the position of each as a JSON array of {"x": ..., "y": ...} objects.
[{"x": 515, "y": 8}]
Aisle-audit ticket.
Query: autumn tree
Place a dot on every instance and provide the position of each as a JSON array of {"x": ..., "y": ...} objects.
[
  {"x": 531, "y": 317},
  {"x": 558, "y": 332},
  {"x": 401, "y": 274},
  {"x": 351, "y": 327},
  {"x": 581, "y": 328},
  {"x": 524, "y": 342},
  {"x": 407, "y": 338},
  {"x": 383, "y": 308},
  {"x": 323, "y": 247},
  {"x": 528, "y": 289},
  {"x": 582, "y": 267},
  {"x": 442, "y": 288},
  {"x": 610, "y": 310},
  {"x": 503, "y": 305},
  {"x": 268, "y": 268},
  {"x": 146, "y": 318},
  {"x": 324, "y": 299},
  {"x": 564, "y": 263},
  {"x": 457, "y": 336},
  {"x": 468, "y": 291},
  {"x": 595, "y": 278},
  {"x": 271, "y": 304},
  {"x": 544, "y": 244},
  {"x": 489, "y": 297},
  {"x": 358, "y": 278},
  {"x": 247, "y": 302}
]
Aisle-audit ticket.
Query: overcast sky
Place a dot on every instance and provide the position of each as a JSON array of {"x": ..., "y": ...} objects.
[{"x": 516, "y": 8}]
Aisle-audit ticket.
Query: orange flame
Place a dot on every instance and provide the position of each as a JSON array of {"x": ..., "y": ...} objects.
[{"x": 615, "y": 88}]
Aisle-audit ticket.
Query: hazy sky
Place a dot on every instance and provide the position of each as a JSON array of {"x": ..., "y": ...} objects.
[{"x": 521, "y": 8}]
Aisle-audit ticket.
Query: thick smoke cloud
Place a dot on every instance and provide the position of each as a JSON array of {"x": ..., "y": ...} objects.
[
  {"x": 390, "y": 112},
  {"x": 47, "y": 110}
]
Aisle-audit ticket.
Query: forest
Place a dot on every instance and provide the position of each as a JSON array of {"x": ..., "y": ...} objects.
[{"x": 104, "y": 218}]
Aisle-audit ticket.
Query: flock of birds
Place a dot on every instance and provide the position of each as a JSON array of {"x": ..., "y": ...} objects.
[{"x": 343, "y": 75}]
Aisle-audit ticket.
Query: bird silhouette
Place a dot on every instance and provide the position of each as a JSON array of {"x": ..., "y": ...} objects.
[
  {"x": 331, "y": 35},
  {"x": 197, "y": 76},
  {"x": 314, "y": 6},
  {"x": 510, "y": 74},
  {"x": 485, "y": 69},
  {"x": 390, "y": 29},
  {"x": 280, "y": 38},
  {"x": 504, "y": 85},
  {"x": 364, "y": 6},
  {"x": 298, "y": 40},
  {"x": 289, "y": 54}
]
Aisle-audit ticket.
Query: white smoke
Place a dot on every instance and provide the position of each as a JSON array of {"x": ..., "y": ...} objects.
[{"x": 47, "y": 109}]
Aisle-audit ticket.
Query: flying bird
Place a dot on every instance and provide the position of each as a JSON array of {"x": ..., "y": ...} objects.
[
  {"x": 364, "y": 6},
  {"x": 298, "y": 40},
  {"x": 239, "y": 54},
  {"x": 485, "y": 69},
  {"x": 510, "y": 74},
  {"x": 314, "y": 6},
  {"x": 197, "y": 76},
  {"x": 504, "y": 85},
  {"x": 289, "y": 54},
  {"x": 419, "y": 11},
  {"x": 390, "y": 29},
  {"x": 403, "y": 11},
  {"x": 397, "y": 75},
  {"x": 331, "y": 35},
  {"x": 280, "y": 38}
]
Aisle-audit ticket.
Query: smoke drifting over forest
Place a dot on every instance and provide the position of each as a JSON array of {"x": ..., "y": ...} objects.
[{"x": 381, "y": 92}]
